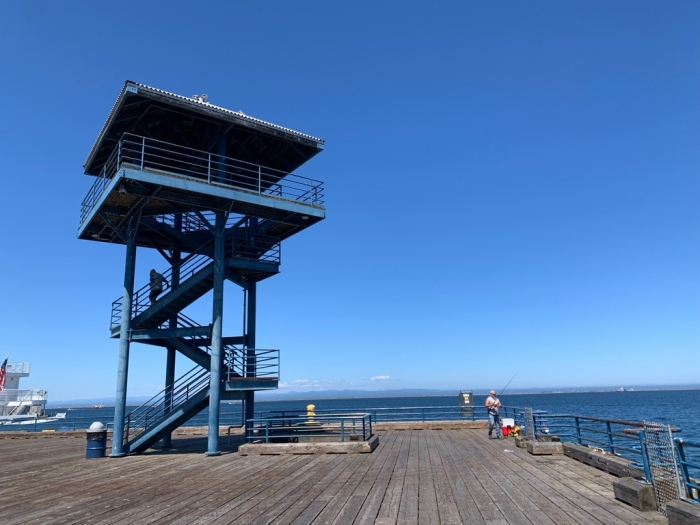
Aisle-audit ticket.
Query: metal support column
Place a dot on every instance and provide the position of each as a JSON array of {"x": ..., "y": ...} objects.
[
  {"x": 175, "y": 260},
  {"x": 124, "y": 336},
  {"x": 216, "y": 337},
  {"x": 250, "y": 350}
]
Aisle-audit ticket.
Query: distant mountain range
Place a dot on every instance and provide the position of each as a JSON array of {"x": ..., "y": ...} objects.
[{"x": 403, "y": 392}]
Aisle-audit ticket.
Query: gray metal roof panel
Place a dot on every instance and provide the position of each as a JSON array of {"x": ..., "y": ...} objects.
[{"x": 195, "y": 104}]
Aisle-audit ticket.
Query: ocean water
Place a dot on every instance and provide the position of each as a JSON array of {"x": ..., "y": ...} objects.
[{"x": 680, "y": 408}]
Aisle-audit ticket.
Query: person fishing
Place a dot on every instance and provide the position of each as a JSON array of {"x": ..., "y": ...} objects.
[
  {"x": 492, "y": 405},
  {"x": 156, "y": 284}
]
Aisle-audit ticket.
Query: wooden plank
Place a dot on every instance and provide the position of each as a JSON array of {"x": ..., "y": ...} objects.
[
  {"x": 549, "y": 502},
  {"x": 518, "y": 461},
  {"x": 272, "y": 505},
  {"x": 595, "y": 505},
  {"x": 357, "y": 499},
  {"x": 302, "y": 500},
  {"x": 448, "y": 513},
  {"x": 389, "y": 509},
  {"x": 428, "y": 513},
  {"x": 490, "y": 512},
  {"x": 370, "y": 508},
  {"x": 480, "y": 466},
  {"x": 525, "y": 505},
  {"x": 408, "y": 506},
  {"x": 427, "y": 476},
  {"x": 235, "y": 508},
  {"x": 332, "y": 512}
]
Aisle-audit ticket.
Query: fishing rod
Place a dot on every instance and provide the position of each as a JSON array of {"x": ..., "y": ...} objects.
[{"x": 508, "y": 383}]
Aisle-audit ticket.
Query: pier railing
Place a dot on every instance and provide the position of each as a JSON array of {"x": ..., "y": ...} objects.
[
  {"x": 310, "y": 428},
  {"x": 689, "y": 466},
  {"x": 610, "y": 435},
  {"x": 423, "y": 414}
]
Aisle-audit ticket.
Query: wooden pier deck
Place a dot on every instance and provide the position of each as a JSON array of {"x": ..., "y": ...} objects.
[{"x": 413, "y": 477}]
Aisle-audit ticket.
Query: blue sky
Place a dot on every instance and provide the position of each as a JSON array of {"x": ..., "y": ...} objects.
[{"x": 510, "y": 187}]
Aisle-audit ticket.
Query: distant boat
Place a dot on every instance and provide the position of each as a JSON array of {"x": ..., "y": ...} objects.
[
  {"x": 100, "y": 405},
  {"x": 31, "y": 419}
]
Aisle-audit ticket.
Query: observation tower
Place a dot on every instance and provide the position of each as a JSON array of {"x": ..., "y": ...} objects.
[{"x": 213, "y": 191}]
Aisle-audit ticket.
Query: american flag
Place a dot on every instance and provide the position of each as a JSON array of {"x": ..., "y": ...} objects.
[{"x": 3, "y": 368}]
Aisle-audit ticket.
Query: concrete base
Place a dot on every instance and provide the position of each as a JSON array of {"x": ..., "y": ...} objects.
[
  {"x": 681, "y": 512},
  {"x": 430, "y": 425},
  {"x": 607, "y": 462},
  {"x": 347, "y": 447},
  {"x": 538, "y": 448},
  {"x": 635, "y": 493},
  {"x": 521, "y": 441}
]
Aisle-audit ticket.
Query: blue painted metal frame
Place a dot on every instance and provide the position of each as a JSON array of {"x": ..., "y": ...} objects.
[
  {"x": 692, "y": 483},
  {"x": 332, "y": 427}
]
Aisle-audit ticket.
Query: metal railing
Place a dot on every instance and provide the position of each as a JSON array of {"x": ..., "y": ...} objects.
[
  {"x": 689, "y": 467},
  {"x": 17, "y": 368},
  {"x": 252, "y": 363},
  {"x": 240, "y": 362},
  {"x": 310, "y": 428},
  {"x": 152, "y": 411},
  {"x": 98, "y": 187},
  {"x": 613, "y": 436},
  {"x": 264, "y": 248},
  {"x": 140, "y": 301},
  {"x": 145, "y": 153},
  {"x": 18, "y": 396},
  {"x": 423, "y": 414}
]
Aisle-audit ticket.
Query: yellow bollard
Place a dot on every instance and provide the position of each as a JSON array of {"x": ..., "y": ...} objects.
[{"x": 310, "y": 414}]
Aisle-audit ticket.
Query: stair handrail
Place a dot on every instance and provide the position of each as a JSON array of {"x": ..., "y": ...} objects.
[
  {"x": 190, "y": 264},
  {"x": 184, "y": 388}
]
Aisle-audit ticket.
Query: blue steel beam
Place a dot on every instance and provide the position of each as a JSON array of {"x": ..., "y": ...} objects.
[
  {"x": 217, "y": 354},
  {"x": 123, "y": 361},
  {"x": 168, "y": 333}
]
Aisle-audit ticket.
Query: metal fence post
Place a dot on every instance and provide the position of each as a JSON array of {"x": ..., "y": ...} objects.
[
  {"x": 342, "y": 429},
  {"x": 578, "y": 430},
  {"x": 259, "y": 185},
  {"x": 610, "y": 437},
  {"x": 209, "y": 170},
  {"x": 143, "y": 150}
]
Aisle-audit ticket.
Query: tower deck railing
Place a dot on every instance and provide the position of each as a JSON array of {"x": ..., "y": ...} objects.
[{"x": 143, "y": 153}]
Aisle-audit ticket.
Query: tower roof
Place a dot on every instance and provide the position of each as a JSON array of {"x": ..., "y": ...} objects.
[{"x": 195, "y": 123}]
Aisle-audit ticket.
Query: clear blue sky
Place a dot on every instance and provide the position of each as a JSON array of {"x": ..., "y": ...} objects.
[{"x": 511, "y": 186}]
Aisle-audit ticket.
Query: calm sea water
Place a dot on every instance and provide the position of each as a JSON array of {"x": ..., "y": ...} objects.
[{"x": 680, "y": 408}]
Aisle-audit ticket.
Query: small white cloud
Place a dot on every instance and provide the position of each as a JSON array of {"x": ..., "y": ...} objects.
[{"x": 380, "y": 378}]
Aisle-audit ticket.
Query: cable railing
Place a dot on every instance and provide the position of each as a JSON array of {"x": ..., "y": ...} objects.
[
  {"x": 310, "y": 428},
  {"x": 152, "y": 411}
]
